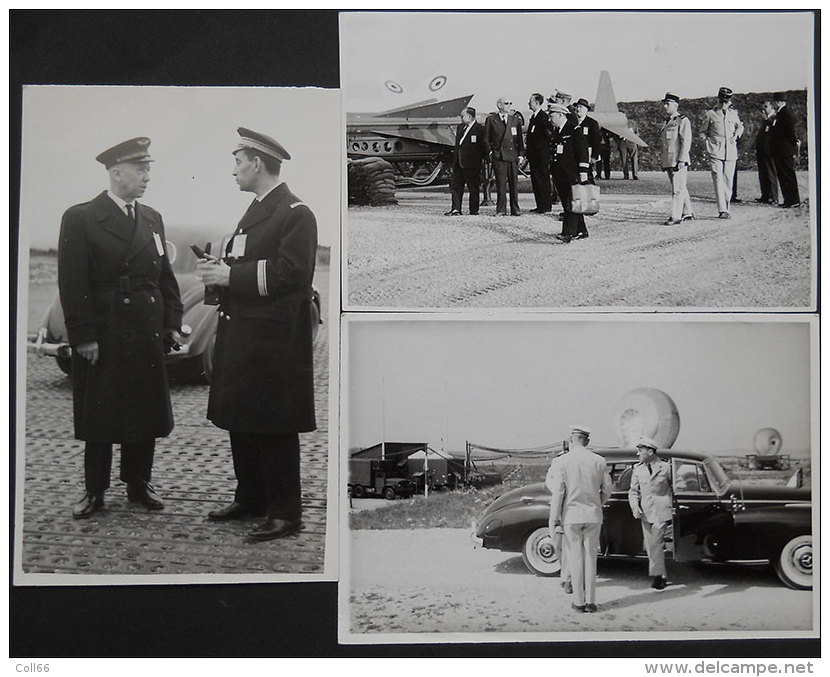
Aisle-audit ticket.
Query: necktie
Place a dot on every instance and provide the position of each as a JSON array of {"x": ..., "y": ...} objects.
[
  {"x": 130, "y": 212},
  {"x": 648, "y": 465}
]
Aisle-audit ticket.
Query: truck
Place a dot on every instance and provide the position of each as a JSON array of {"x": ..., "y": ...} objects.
[{"x": 379, "y": 477}]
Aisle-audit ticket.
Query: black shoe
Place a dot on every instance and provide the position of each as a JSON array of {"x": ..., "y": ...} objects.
[
  {"x": 87, "y": 505},
  {"x": 723, "y": 215},
  {"x": 672, "y": 222},
  {"x": 561, "y": 216},
  {"x": 563, "y": 238},
  {"x": 146, "y": 495},
  {"x": 791, "y": 205},
  {"x": 635, "y": 178},
  {"x": 762, "y": 200},
  {"x": 519, "y": 213},
  {"x": 590, "y": 608},
  {"x": 659, "y": 583},
  {"x": 578, "y": 607},
  {"x": 736, "y": 199},
  {"x": 687, "y": 217},
  {"x": 275, "y": 528},
  {"x": 580, "y": 236},
  {"x": 452, "y": 212},
  {"x": 234, "y": 511},
  {"x": 568, "y": 587}
]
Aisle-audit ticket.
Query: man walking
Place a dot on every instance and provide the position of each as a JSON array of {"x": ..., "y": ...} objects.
[
  {"x": 539, "y": 132},
  {"x": 650, "y": 498},
  {"x": 721, "y": 129},
  {"x": 676, "y": 138},
  {"x": 262, "y": 386},
  {"x": 468, "y": 154},
  {"x": 123, "y": 313},
  {"x": 504, "y": 138},
  {"x": 581, "y": 484}
]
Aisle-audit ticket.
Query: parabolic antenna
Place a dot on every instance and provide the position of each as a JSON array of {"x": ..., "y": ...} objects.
[
  {"x": 768, "y": 442},
  {"x": 647, "y": 412}
]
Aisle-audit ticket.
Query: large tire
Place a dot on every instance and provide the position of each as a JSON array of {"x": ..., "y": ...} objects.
[
  {"x": 358, "y": 491},
  {"x": 538, "y": 553},
  {"x": 647, "y": 412},
  {"x": 389, "y": 493},
  {"x": 794, "y": 564}
]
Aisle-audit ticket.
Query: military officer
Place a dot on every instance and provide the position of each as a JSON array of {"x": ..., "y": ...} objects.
[
  {"x": 570, "y": 165},
  {"x": 470, "y": 151},
  {"x": 539, "y": 132},
  {"x": 123, "y": 312},
  {"x": 557, "y": 532},
  {"x": 676, "y": 139},
  {"x": 580, "y": 486},
  {"x": 721, "y": 129},
  {"x": 589, "y": 128},
  {"x": 767, "y": 177},
  {"x": 650, "y": 498},
  {"x": 784, "y": 146},
  {"x": 262, "y": 386},
  {"x": 503, "y": 131}
]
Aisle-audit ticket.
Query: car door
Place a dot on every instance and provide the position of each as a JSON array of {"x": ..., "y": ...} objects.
[
  {"x": 621, "y": 533},
  {"x": 699, "y": 515}
]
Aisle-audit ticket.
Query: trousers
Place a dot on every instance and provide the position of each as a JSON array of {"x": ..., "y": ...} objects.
[
  {"x": 136, "y": 464},
  {"x": 581, "y": 545},
  {"x": 653, "y": 536},
  {"x": 723, "y": 172},
  {"x": 681, "y": 203}
]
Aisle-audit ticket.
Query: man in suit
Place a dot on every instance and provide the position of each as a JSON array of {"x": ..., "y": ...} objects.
[
  {"x": 721, "y": 129},
  {"x": 581, "y": 484},
  {"x": 629, "y": 152},
  {"x": 539, "y": 132},
  {"x": 262, "y": 386},
  {"x": 784, "y": 146},
  {"x": 767, "y": 177},
  {"x": 650, "y": 498},
  {"x": 676, "y": 138},
  {"x": 470, "y": 150},
  {"x": 589, "y": 128},
  {"x": 503, "y": 131},
  {"x": 123, "y": 313},
  {"x": 570, "y": 165}
]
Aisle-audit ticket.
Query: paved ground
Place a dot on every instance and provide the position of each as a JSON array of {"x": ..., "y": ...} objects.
[{"x": 192, "y": 471}]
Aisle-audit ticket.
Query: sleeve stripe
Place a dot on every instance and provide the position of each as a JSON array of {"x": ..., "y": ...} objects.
[{"x": 261, "y": 278}]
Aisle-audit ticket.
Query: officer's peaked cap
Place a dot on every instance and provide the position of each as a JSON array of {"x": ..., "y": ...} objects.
[
  {"x": 262, "y": 143},
  {"x": 134, "y": 150},
  {"x": 581, "y": 429},
  {"x": 671, "y": 97},
  {"x": 725, "y": 93},
  {"x": 647, "y": 442}
]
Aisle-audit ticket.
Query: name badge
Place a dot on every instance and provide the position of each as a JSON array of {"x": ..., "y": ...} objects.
[
  {"x": 473, "y": 138},
  {"x": 159, "y": 244},
  {"x": 532, "y": 127},
  {"x": 585, "y": 131},
  {"x": 513, "y": 131},
  {"x": 668, "y": 134},
  {"x": 238, "y": 246},
  {"x": 560, "y": 148}
]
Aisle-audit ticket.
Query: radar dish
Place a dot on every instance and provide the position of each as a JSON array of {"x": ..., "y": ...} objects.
[
  {"x": 768, "y": 442},
  {"x": 647, "y": 412},
  {"x": 437, "y": 82}
]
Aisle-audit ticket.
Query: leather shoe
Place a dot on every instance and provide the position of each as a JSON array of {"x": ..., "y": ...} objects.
[
  {"x": 87, "y": 505},
  {"x": 146, "y": 495},
  {"x": 672, "y": 222},
  {"x": 452, "y": 212},
  {"x": 563, "y": 238},
  {"x": 568, "y": 587},
  {"x": 659, "y": 583},
  {"x": 687, "y": 217},
  {"x": 590, "y": 608},
  {"x": 578, "y": 607},
  {"x": 233, "y": 511},
  {"x": 275, "y": 528},
  {"x": 580, "y": 236},
  {"x": 723, "y": 215}
]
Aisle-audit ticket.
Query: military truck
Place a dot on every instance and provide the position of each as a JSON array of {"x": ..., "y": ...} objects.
[{"x": 379, "y": 477}]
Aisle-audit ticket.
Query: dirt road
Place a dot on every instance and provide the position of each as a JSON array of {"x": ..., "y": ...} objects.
[{"x": 434, "y": 581}]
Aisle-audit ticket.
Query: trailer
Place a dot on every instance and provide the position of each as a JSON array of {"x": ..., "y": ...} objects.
[{"x": 379, "y": 477}]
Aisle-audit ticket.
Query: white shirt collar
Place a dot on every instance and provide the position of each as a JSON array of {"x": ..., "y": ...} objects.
[{"x": 121, "y": 204}]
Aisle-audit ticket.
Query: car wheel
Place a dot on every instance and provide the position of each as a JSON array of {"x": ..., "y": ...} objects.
[
  {"x": 794, "y": 564},
  {"x": 389, "y": 493},
  {"x": 538, "y": 553},
  {"x": 64, "y": 364},
  {"x": 358, "y": 491}
]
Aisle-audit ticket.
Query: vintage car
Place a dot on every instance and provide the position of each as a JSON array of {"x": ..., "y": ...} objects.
[
  {"x": 195, "y": 357},
  {"x": 714, "y": 518}
]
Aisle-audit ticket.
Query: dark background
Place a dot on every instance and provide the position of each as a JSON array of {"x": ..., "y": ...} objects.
[{"x": 277, "y": 48}]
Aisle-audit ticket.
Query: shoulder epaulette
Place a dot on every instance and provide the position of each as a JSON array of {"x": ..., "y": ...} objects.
[{"x": 298, "y": 204}]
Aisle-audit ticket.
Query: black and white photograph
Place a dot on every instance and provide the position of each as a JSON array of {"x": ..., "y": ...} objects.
[
  {"x": 579, "y": 160},
  {"x": 176, "y": 311},
  {"x": 702, "y": 500}
]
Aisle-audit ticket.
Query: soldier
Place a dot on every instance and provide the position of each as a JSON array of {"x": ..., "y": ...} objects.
[
  {"x": 580, "y": 486},
  {"x": 539, "y": 132},
  {"x": 650, "y": 498},
  {"x": 557, "y": 532},
  {"x": 676, "y": 138},
  {"x": 468, "y": 154},
  {"x": 262, "y": 386},
  {"x": 569, "y": 166},
  {"x": 721, "y": 129},
  {"x": 767, "y": 177},
  {"x": 589, "y": 128},
  {"x": 784, "y": 146},
  {"x": 123, "y": 313},
  {"x": 504, "y": 137}
]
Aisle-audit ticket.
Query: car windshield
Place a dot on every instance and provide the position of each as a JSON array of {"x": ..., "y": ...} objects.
[{"x": 717, "y": 476}]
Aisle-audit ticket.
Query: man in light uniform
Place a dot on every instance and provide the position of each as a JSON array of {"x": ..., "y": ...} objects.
[
  {"x": 557, "y": 533},
  {"x": 721, "y": 130},
  {"x": 676, "y": 138},
  {"x": 650, "y": 498},
  {"x": 580, "y": 485}
]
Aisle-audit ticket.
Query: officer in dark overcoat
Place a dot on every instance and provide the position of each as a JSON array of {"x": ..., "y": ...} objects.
[
  {"x": 590, "y": 130},
  {"x": 123, "y": 312},
  {"x": 539, "y": 132},
  {"x": 569, "y": 153},
  {"x": 784, "y": 147},
  {"x": 262, "y": 385}
]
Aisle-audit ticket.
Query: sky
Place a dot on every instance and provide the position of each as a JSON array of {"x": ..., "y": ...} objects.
[
  {"x": 193, "y": 134},
  {"x": 521, "y": 383},
  {"x": 514, "y": 55}
]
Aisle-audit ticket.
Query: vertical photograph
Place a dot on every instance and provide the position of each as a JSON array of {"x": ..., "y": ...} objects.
[
  {"x": 575, "y": 478},
  {"x": 580, "y": 160},
  {"x": 174, "y": 323}
]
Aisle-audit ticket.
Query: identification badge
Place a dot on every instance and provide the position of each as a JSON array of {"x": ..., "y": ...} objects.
[
  {"x": 513, "y": 131},
  {"x": 473, "y": 138},
  {"x": 159, "y": 244},
  {"x": 238, "y": 246},
  {"x": 669, "y": 134},
  {"x": 560, "y": 148},
  {"x": 532, "y": 128},
  {"x": 584, "y": 131}
]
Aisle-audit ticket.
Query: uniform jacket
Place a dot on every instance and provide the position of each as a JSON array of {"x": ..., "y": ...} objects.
[
  {"x": 763, "y": 142},
  {"x": 505, "y": 141},
  {"x": 263, "y": 375},
  {"x": 651, "y": 494},
  {"x": 676, "y": 138},
  {"x": 783, "y": 137},
  {"x": 722, "y": 129},
  {"x": 580, "y": 485},
  {"x": 117, "y": 288},
  {"x": 470, "y": 152},
  {"x": 539, "y": 133},
  {"x": 590, "y": 131},
  {"x": 569, "y": 153}
]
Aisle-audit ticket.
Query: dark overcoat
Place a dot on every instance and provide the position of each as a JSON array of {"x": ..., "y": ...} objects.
[
  {"x": 263, "y": 375},
  {"x": 118, "y": 289},
  {"x": 469, "y": 153},
  {"x": 539, "y": 133}
]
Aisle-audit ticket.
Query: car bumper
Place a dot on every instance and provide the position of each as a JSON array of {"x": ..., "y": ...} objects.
[{"x": 475, "y": 539}]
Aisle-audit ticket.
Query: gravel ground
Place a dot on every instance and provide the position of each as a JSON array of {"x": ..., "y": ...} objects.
[
  {"x": 630, "y": 259},
  {"x": 433, "y": 582}
]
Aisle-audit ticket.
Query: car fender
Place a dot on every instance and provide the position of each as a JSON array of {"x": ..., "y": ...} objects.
[{"x": 760, "y": 533}]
